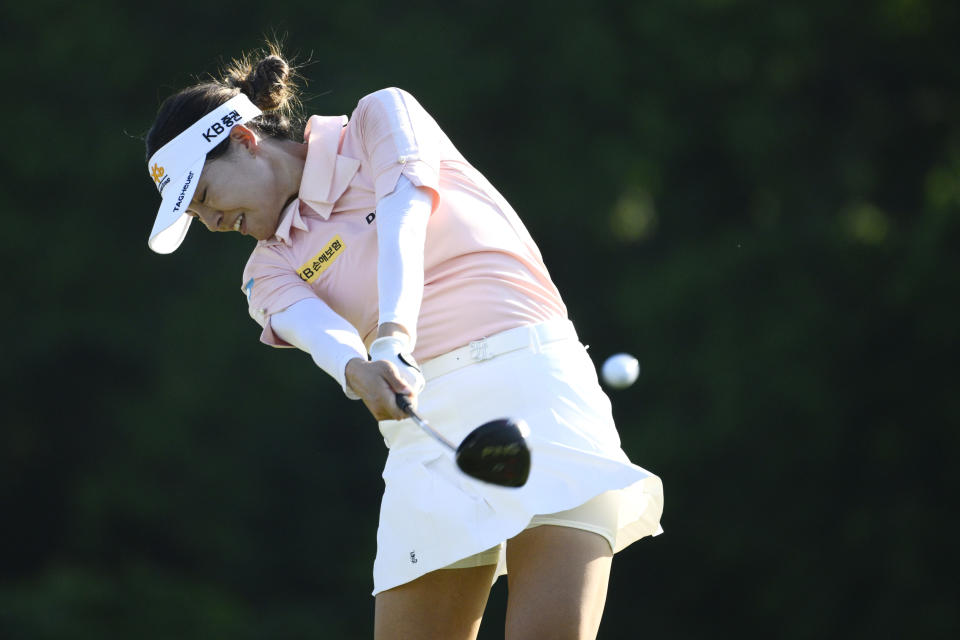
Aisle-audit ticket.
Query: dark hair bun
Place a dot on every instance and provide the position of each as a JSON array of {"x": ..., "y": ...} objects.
[{"x": 265, "y": 83}]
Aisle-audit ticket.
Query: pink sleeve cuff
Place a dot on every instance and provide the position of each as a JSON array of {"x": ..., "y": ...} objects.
[{"x": 419, "y": 172}]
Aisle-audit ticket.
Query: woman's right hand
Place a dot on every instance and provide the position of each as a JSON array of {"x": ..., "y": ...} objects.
[{"x": 377, "y": 383}]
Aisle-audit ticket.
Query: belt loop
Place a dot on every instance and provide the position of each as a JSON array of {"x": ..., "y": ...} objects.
[{"x": 480, "y": 350}]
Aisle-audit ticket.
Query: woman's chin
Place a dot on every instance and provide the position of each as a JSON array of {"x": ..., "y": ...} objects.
[{"x": 259, "y": 234}]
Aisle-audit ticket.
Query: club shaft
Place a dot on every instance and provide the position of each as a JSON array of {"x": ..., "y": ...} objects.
[{"x": 404, "y": 404}]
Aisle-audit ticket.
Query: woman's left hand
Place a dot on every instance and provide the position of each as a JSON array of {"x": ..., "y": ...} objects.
[{"x": 396, "y": 349}]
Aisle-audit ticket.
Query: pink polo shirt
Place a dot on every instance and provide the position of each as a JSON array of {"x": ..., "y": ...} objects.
[{"x": 482, "y": 271}]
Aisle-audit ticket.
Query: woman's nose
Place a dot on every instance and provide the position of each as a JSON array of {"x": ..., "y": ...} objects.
[{"x": 211, "y": 219}]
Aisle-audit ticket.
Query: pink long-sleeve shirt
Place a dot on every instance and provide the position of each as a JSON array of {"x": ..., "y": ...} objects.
[{"x": 482, "y": 271}]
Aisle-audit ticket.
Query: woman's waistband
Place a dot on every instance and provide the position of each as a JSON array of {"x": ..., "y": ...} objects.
[{"x": 528, "y": 336}]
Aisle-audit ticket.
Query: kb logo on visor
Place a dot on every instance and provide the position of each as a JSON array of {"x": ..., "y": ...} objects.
[
  {"x": 216, "y": 129},
  {"x": 156, "y": 172}
]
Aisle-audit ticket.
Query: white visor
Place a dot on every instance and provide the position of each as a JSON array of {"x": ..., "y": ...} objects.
[{"x": 176, "y": 166}]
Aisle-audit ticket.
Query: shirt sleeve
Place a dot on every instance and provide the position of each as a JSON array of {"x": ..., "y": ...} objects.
[
  {"x": 270, "y": 287},
  {"x": 399, "y": 137}
]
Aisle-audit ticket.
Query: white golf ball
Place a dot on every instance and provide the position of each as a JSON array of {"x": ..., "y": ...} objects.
[{"x": 620, "y": 370}]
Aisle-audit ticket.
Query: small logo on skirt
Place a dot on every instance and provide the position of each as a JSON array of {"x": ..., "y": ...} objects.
[{"x": 413, "y": 557}]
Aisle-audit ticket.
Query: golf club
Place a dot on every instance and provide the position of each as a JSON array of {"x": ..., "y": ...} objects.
[{"x": 495, "y": 452}]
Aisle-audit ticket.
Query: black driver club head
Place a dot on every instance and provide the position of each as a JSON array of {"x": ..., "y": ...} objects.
[{"x": 496, "y": 452}]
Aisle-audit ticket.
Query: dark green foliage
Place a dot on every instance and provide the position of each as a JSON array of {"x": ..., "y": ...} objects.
[{"x": 761, "y": 200}]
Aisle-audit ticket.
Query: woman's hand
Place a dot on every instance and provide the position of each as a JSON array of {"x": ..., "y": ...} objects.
[
  {"x": 377, "y": 384},
  {"x": 396, "y": 349}
]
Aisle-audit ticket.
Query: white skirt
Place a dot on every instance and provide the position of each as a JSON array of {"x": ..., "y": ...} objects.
[{"x": 433, "y": 515}]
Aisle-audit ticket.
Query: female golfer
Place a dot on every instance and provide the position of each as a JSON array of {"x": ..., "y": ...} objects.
[{"x": 375, "y": 236}]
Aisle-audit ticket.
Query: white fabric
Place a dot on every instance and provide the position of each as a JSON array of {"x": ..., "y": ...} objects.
[
  {"x": 312, "y": 326},
  {"x": 176, "y": 166},
  {"x": 600, "y": 515},
  {"x": 402, "y": 218},
  {"x": 396, "y": 350},
  {"x": 432, "y": 515},
  {"x": 498, "y": 344}
]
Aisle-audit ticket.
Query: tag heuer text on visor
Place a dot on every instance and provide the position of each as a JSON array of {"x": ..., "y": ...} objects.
[{"x": 176, "y": 166}]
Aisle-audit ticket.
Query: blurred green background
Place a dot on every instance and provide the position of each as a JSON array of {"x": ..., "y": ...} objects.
[{"x": 761, "y": 200}]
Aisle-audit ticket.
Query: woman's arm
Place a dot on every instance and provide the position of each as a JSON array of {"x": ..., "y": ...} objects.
[
  {"x": 313, "y": 327},
  {"x": 402, "y": 149},
  {"x": 402, "y": 218}
]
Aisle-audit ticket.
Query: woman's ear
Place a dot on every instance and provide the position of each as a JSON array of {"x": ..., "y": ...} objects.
[{"x": 246, "y": 137}]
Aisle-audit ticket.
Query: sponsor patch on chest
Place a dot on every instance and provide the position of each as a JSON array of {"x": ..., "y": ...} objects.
[{"x": 312, "y": 269}]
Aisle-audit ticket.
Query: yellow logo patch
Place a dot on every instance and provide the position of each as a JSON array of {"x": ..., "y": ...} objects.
[
  {"x": 156, "y": 172},
  {"x": 312, "y": 269}
]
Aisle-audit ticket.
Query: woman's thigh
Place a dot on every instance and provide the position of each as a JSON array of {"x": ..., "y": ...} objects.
[
  {"x": 558, "y": 580},
  {"x": 445, "y": 604}
]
